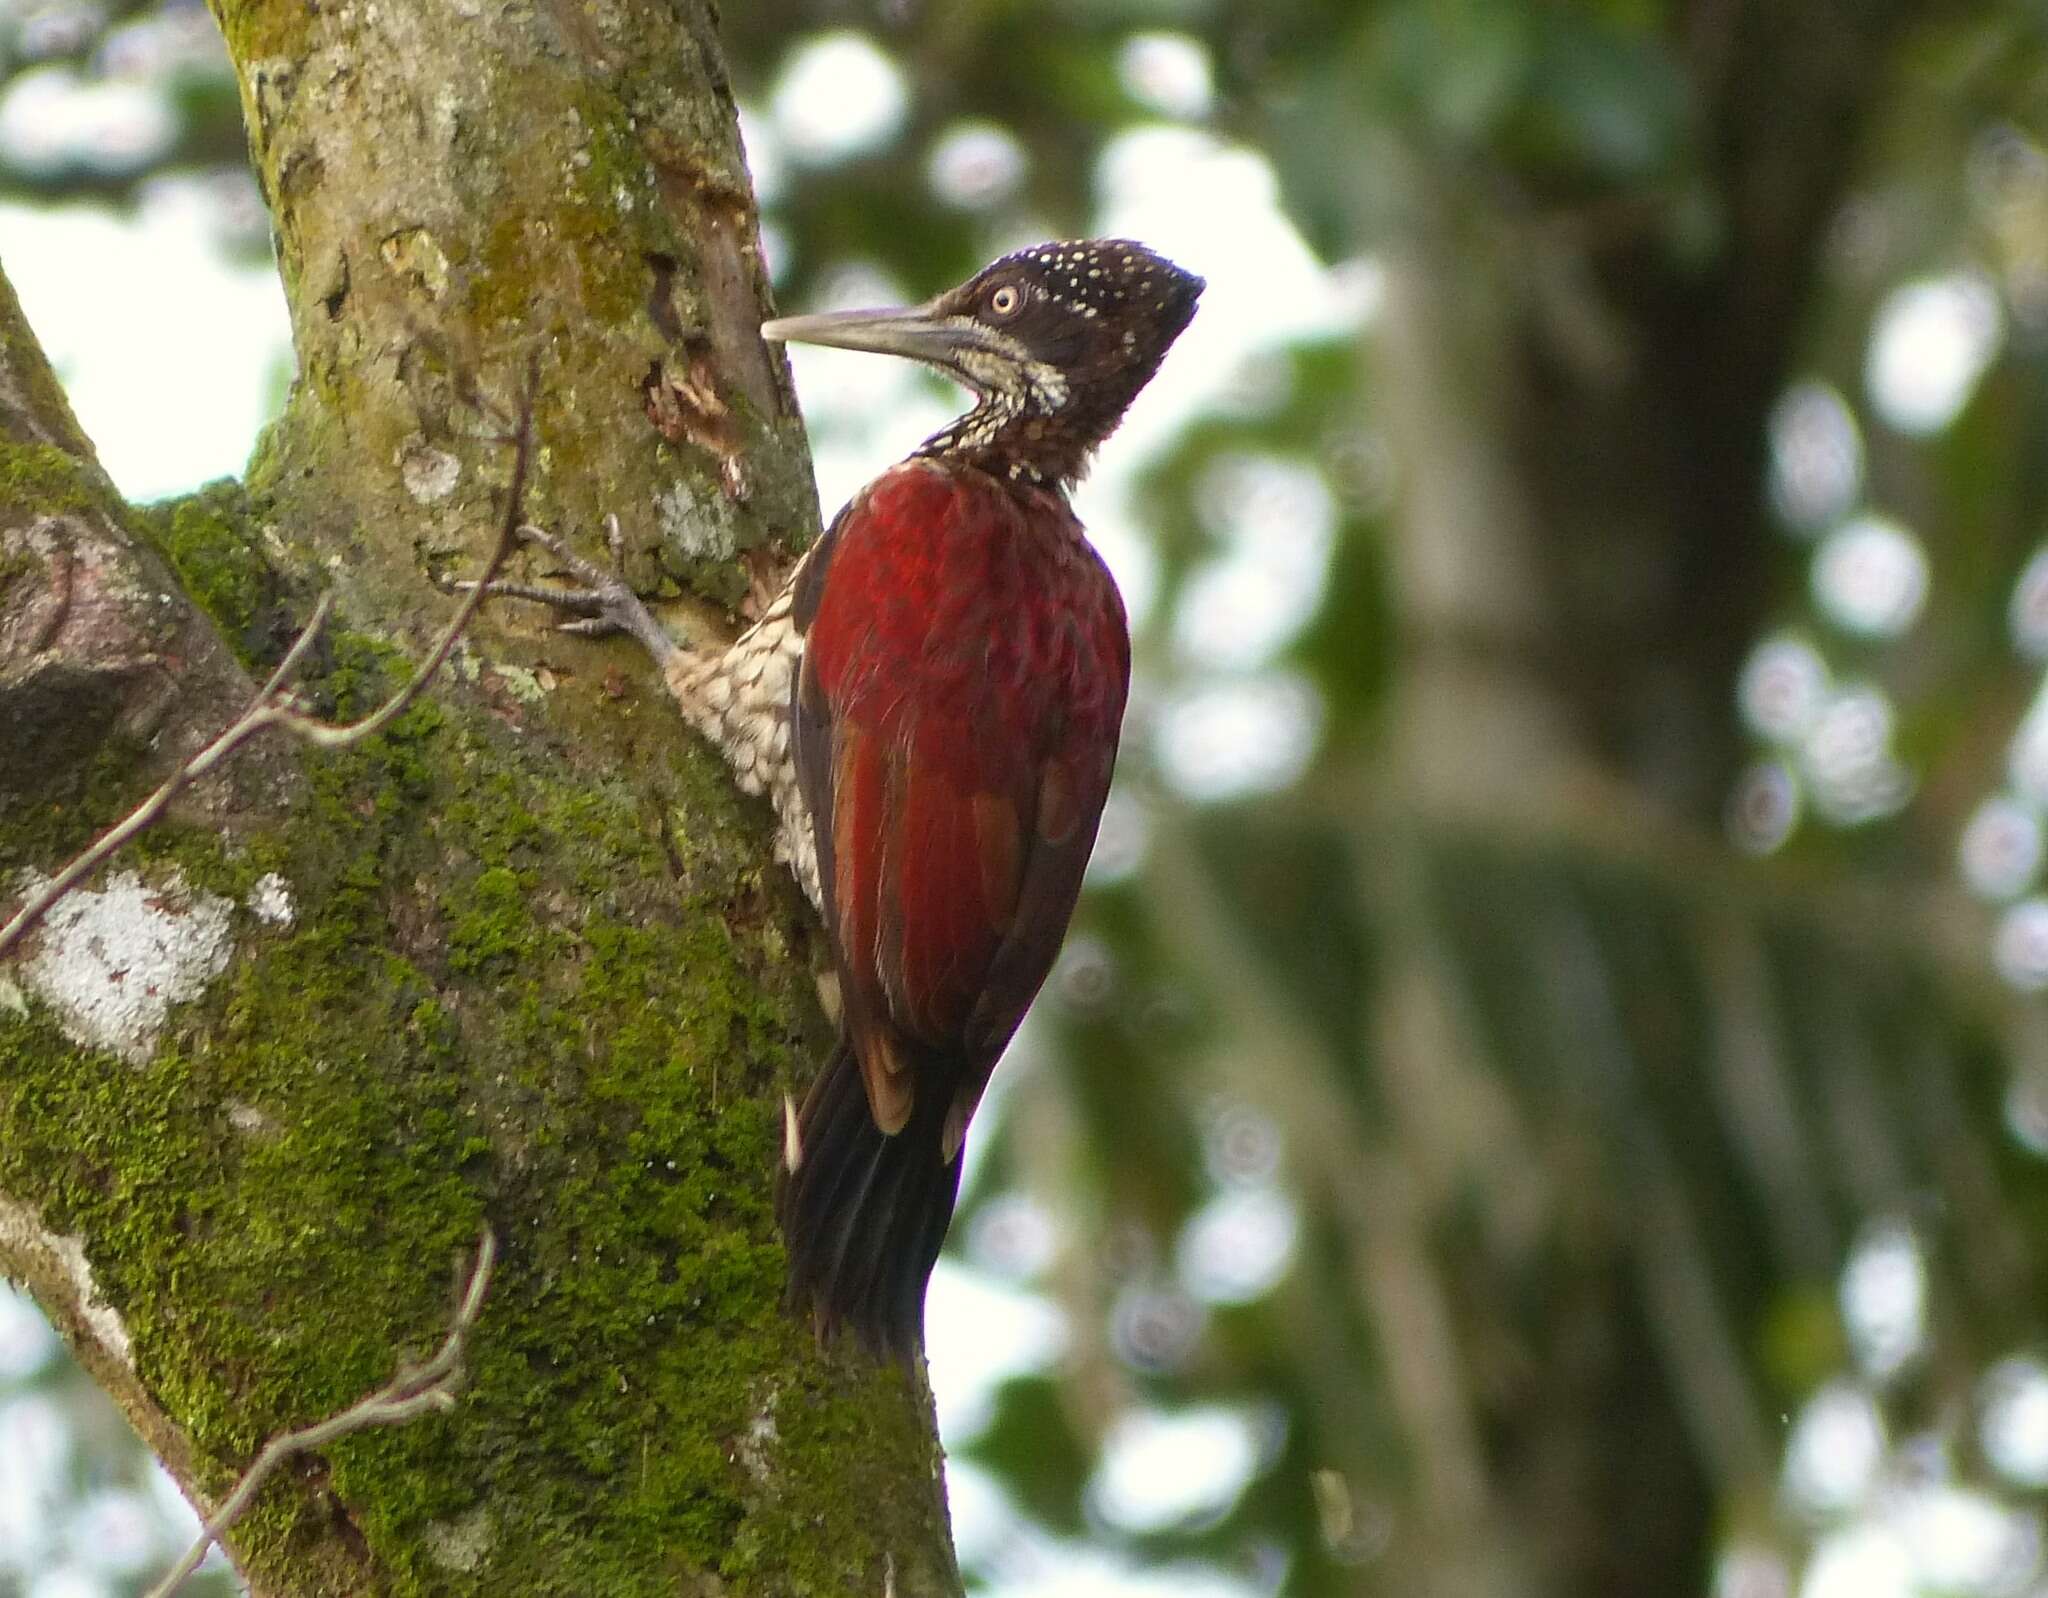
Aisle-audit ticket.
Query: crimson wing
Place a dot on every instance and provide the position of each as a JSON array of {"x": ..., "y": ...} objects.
[
  {"x": 955, "y": 731},
  {"x": 955, "y": 726}
]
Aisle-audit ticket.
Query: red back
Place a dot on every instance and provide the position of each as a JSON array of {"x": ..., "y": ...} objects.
[{"x": 965, "y": 670}]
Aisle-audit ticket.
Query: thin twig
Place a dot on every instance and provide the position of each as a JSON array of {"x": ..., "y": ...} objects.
[
  {"x": 272, "y": 706},
  {"x": 414, "y": 1391}
]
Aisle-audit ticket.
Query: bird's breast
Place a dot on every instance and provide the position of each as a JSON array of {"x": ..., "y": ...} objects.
[{"x": 974, "y": 598}]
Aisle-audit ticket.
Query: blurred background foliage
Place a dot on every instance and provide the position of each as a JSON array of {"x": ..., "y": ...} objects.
[{"x": 1548, "y": 1090}]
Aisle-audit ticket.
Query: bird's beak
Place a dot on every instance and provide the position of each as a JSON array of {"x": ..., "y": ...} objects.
[{"x": 917, "y": 332}]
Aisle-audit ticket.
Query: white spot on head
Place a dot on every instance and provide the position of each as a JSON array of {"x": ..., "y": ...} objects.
[{"x": 112, "y": 961}]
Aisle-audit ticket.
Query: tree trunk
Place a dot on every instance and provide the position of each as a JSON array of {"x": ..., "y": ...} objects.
[{"x": 521, "y": 961}]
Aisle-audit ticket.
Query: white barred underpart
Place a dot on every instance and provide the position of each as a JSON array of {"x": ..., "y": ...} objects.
[{"x": 740, "y": 700}]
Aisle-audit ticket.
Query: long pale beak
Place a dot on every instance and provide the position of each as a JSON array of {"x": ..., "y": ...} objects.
[{"x": 915, "y": 332}]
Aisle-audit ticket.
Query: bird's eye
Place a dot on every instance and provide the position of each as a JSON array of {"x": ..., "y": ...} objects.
[{"x": 1005, "y": 301}]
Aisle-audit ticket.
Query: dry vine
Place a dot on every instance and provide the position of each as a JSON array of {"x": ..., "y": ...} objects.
[
  {"x": 414, "y": 1391},
  {"x": 273, "y": 705}
]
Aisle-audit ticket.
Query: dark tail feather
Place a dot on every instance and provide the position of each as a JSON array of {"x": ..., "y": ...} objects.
[{"x": 864, "y": 1214}]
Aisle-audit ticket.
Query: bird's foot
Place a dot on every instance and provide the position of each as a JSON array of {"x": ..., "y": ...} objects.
[{"x": 604, "y": 602}]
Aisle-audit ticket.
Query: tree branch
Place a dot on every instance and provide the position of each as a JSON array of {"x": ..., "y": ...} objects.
[{"x": 33, "y": 409}]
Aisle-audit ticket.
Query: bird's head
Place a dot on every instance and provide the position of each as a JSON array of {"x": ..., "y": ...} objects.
[{"x": 1055, "y": 341}]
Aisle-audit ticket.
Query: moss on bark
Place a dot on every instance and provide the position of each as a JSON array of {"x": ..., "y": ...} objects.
[{"x": 496, "y": 1000}]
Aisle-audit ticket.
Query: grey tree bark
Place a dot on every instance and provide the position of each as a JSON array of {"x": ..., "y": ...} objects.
[{"x": 521, "y": 961}]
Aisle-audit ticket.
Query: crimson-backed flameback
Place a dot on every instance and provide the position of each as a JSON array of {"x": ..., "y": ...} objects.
[{"x": 933, "y": 704}]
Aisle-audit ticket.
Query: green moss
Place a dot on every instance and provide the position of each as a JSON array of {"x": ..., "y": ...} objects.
[
  {"x": 15, "y": 565},
  {"x": 516, "y": 272},
  {"x": 49, "y": 826},
  {"x": 262, "y": 30},
  {"x": 211, "y": 541},
  {"x": 617, "y": 164},
  {"x": 43, "y": 480},
  {"x": 488, "y": 924},
  {"x": 499, "y": 1001}
]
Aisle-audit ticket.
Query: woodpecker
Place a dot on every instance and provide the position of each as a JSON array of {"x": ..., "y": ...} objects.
[{"x": 932, "y": 705}]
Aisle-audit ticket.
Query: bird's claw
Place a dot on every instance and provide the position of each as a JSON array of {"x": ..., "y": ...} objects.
[
  {"x": 604, "y": 604},
  {"x": 586, "y": 572}
]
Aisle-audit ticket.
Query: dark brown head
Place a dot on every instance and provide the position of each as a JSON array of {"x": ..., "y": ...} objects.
[{"x": 1054, "y": 340}]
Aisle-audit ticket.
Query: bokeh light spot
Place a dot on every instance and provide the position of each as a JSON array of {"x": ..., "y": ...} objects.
[
  {"x": 978, "y": 1334},
  {"x": 1230, "y": 739},
  {"x": 1154, "y": 1327},
  {"x": 1816, "y": 457},
  {"x": 1120, "y": 840},
  {"x": 2013, "y": 1421},
  {"x": 975, "y": 165},
  {"x": 1084, "y": 976},
  {"x": 1932, "y": 342},
  {"x": 53, "y": 28},
  {"x": 1784, "y": 687},
  {"x": 1848, "y": 760},
  {"x": 1161, "y": 1470},
  {"x": 1241, "y": 1145},
  {"x": 1166, "y": 72},
  {"x": 838, "y": 96},
  {"x": 1751, "y": 1573},
  {"x": 26, "y": 1341},
  {"x": 2000, "y": 851},
  {"x": 51, "y": 118},
  {"x": 2026, "y": 1111},
  {"x": 1237, "y": 1247},
  {"x": 1012, "y": 1237},
  {"x": 1961, "y": 1541},
  {"x": 1277, "y": 522},
  {"x": 2027, "y": 755},
  {"x": 68, "y": 1581},
  {"x": 1884, "y": 1299},
  {"x": 1836, "y": 1448},
  {"x": 2019, "y": 947},
  {"x": 113, "y": 1531},
  {"x": 764, "y": 154},
  {"x": 1861, "y": 1561},
  {"x": 1870, "y": 576},
  {"x": 1763, "y": 807},
  {"x": 167, "y": 40},
  {"x": 2029, "y": 613}
]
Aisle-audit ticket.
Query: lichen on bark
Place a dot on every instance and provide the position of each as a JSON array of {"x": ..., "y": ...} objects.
[{"x": 522, "y": 960}]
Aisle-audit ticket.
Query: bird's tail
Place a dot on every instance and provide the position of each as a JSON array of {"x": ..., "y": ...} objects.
[{"x": 864, "y": 1212}]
